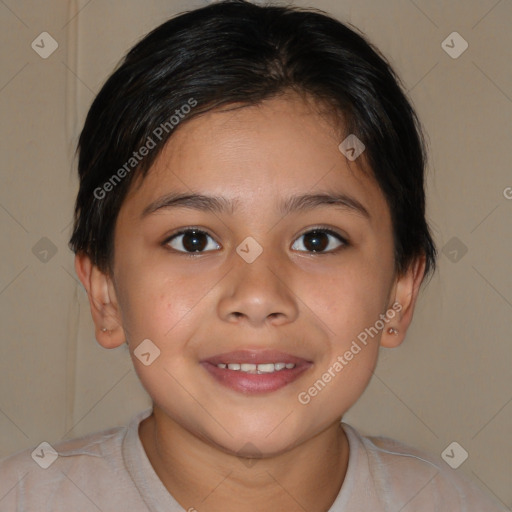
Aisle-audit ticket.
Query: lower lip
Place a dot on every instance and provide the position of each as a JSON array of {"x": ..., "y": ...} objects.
[{"x": 255, "y": 383}]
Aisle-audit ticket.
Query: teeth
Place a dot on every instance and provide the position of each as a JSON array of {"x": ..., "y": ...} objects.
[
  {"x": 257, "y": 368},
  {"x": 267, "y": 367}
]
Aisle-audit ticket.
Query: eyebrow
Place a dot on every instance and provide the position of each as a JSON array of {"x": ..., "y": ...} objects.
[{"x": 218, "y": 204}]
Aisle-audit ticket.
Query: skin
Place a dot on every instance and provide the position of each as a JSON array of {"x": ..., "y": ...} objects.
[{"x": 306, "y": 303}]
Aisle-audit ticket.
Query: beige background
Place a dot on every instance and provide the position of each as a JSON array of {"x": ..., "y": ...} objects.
[{"x": 450, "y": 380}]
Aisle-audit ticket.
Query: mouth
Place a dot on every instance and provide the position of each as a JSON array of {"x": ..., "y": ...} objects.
[{"x": 255, "y": 371}]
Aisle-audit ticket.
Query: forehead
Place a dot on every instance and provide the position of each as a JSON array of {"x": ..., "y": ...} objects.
[{"x": 281, "y": 147}]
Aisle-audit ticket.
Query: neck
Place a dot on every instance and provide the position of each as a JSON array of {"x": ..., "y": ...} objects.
[{"x": 200, "y": 475}]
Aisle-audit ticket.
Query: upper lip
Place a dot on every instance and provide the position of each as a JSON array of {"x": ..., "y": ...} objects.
[{"x": 255, "y": 357}]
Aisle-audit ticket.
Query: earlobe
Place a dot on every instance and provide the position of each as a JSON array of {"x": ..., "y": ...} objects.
[
  {"x": 407, "y": 287},
  {"x": 103, "y": 303}
]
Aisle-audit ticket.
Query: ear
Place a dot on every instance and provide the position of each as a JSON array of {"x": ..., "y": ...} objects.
[
  {"x": 403, "y": 300},
  {"x": 102, "y": 299}
]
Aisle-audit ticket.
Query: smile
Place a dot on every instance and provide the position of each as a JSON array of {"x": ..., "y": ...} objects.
[{"x": 255, "y": 371}]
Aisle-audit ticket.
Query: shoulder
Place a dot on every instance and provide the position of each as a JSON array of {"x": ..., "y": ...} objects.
[
  {"x": 66, "y": 472},
  {"x": 406, "y": 477},
  {"x": 45, "y": 462}
]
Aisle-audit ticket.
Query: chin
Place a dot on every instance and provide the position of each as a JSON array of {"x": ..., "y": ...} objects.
[{"x": 261, "y": 439}]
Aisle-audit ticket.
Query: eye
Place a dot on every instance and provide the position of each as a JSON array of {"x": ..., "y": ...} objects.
[
  {"x": 319, "y": 240},
  {"x": 192, "y": 240}
]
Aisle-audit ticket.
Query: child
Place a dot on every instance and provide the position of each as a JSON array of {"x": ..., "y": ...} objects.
[{"x": 251, "y": 207}]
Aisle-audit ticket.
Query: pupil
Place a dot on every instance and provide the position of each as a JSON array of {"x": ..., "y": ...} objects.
[
  {"x": 316, "y": 241},
  {"x": 194, "y": 241}
]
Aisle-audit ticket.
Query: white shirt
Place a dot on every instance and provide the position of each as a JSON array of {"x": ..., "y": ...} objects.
[{"x": 109, "y": 471}]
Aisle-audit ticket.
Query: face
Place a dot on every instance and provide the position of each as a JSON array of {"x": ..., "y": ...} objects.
[{"x": 270, "y": 271}]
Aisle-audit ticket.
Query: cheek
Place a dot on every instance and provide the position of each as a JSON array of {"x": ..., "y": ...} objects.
[
  {"x": 156, "y": 304},
  {"x": 348, "y": 300},
  {"x": 162, "y": 309},
  {"x": 350, "y": 312}
]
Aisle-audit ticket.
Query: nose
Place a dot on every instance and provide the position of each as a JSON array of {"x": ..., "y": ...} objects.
[{"x": 258, "y": 293}]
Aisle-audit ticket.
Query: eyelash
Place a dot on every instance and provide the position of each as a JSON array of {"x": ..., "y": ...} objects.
[{"x": 321, "y": 229}]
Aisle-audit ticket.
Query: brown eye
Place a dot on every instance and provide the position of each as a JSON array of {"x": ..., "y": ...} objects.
[
  {"x": 192, "y": 240},
  {"x": 319, "y": 240}
]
